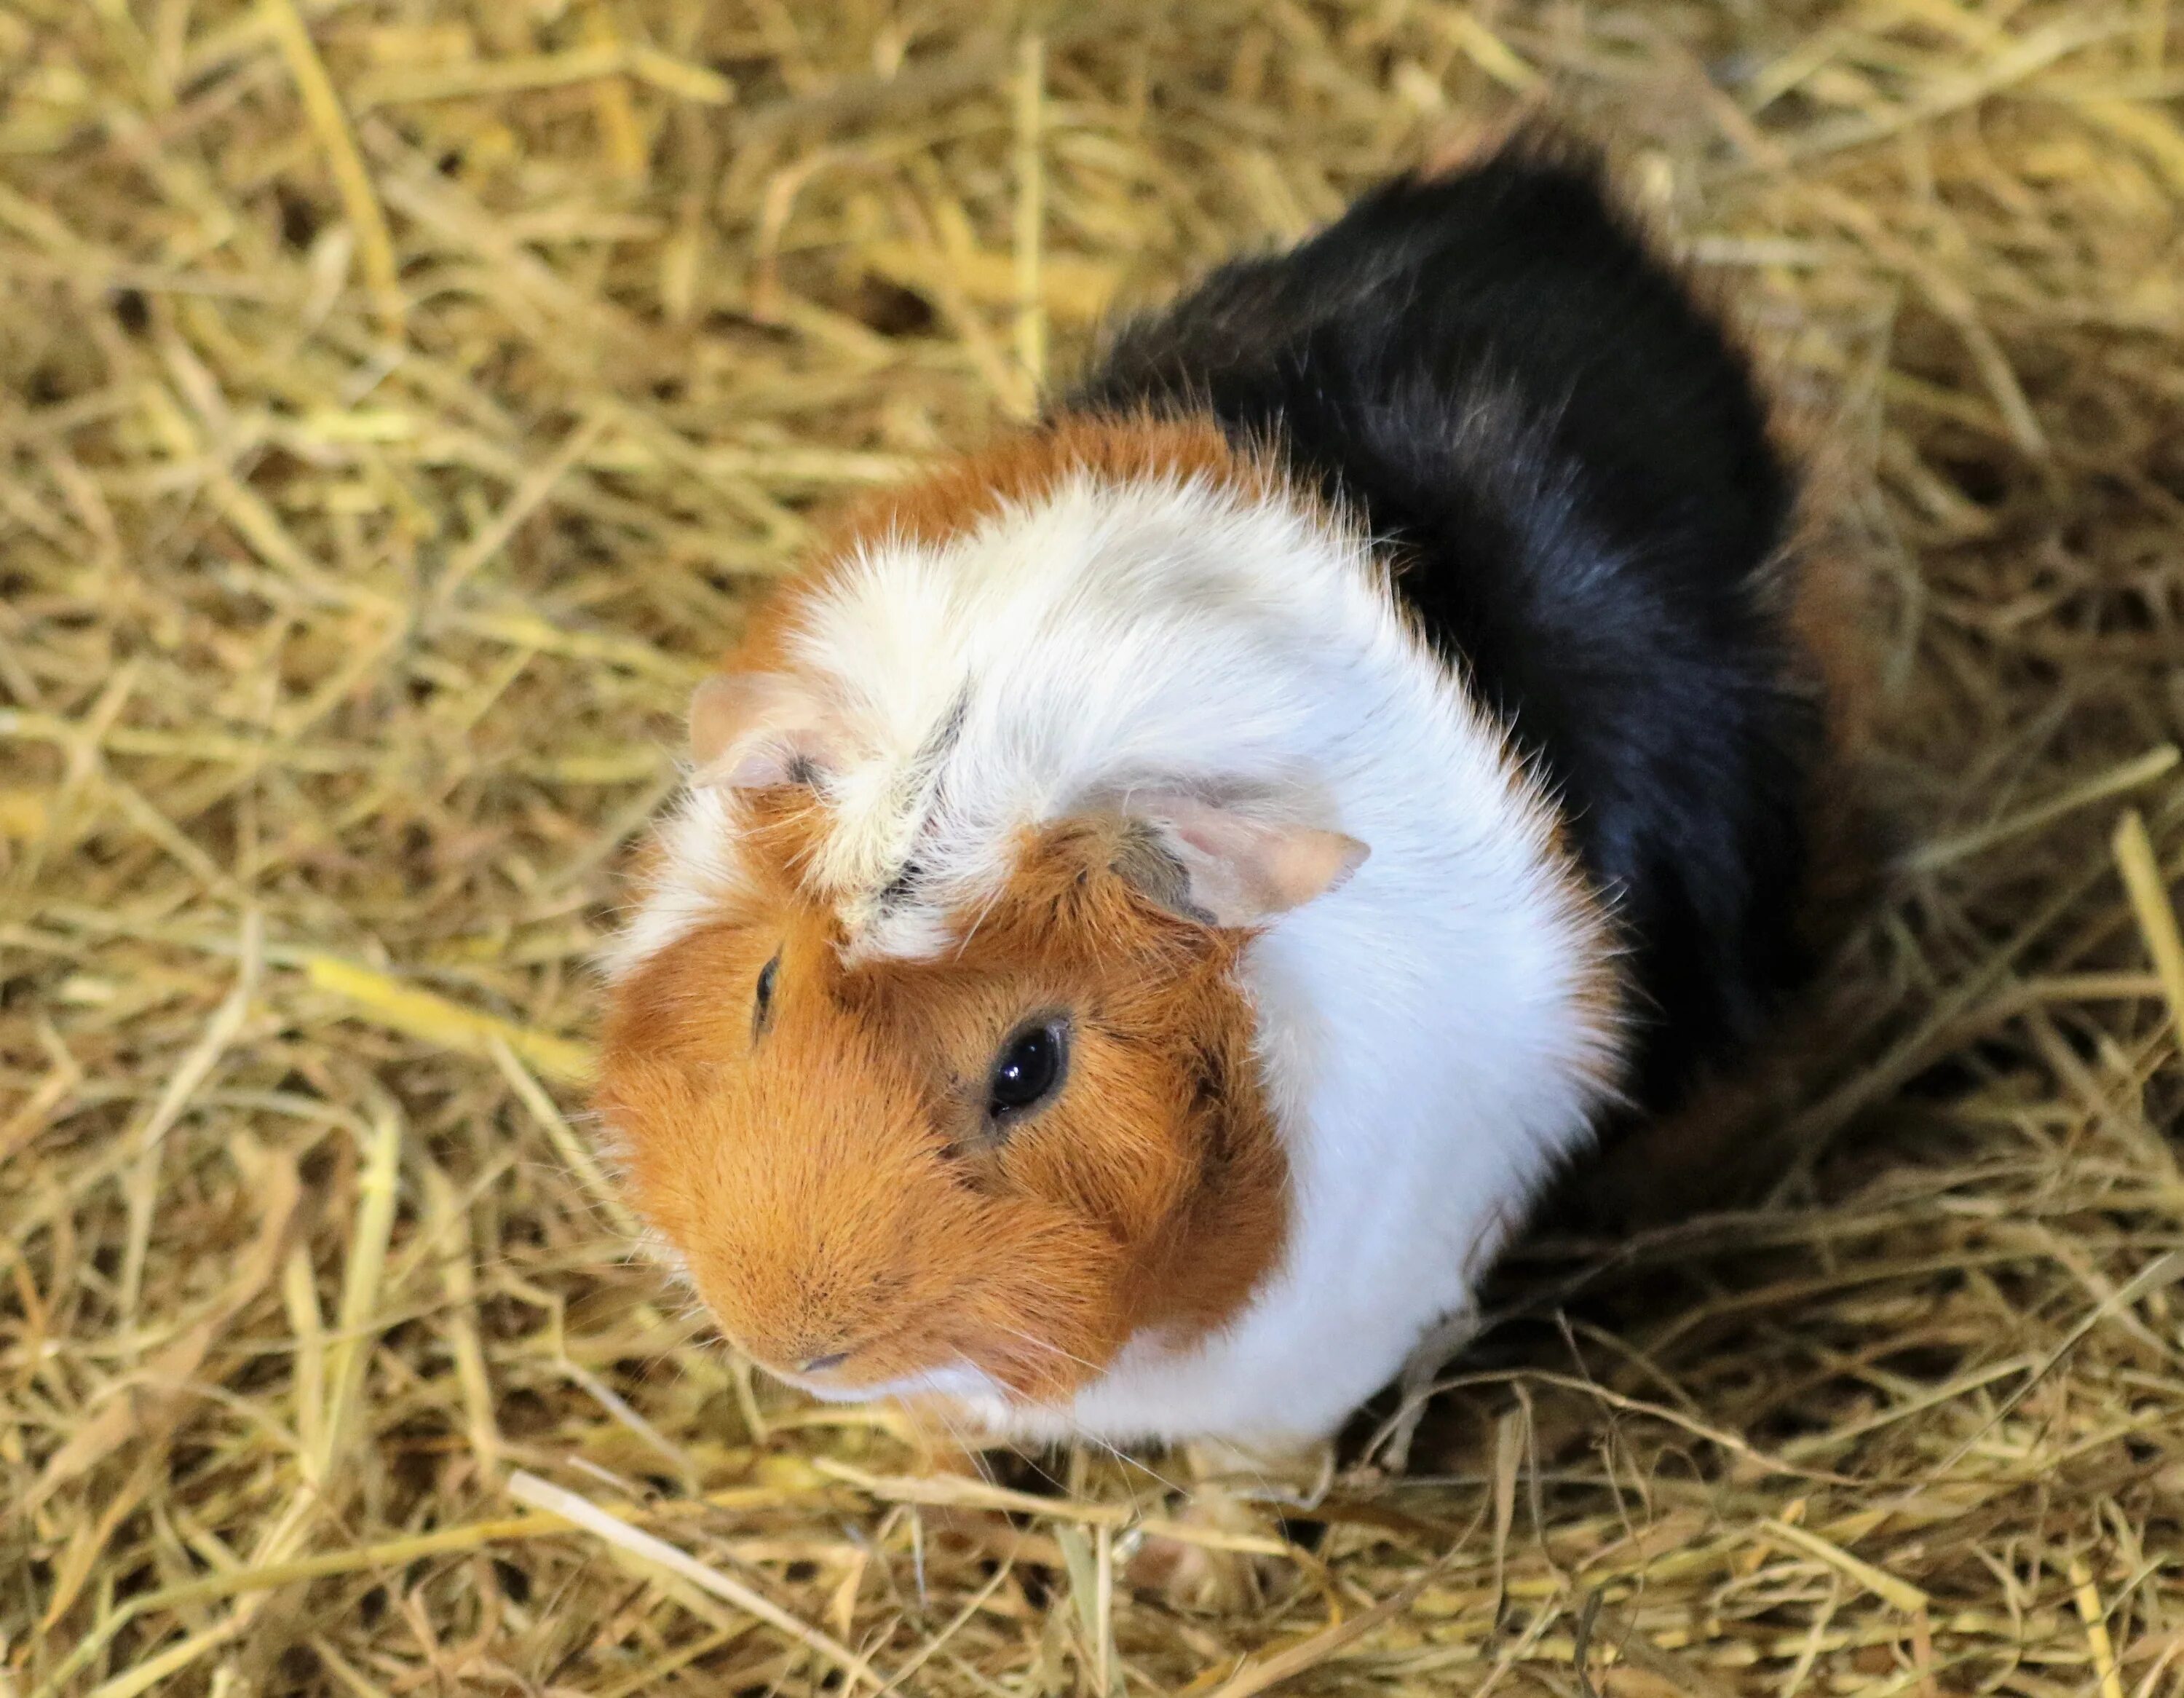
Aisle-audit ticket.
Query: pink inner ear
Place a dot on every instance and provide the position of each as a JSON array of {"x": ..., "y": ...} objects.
[
  {"x": 749, "y": 731},
  {"x": 1242, "y": 870}
]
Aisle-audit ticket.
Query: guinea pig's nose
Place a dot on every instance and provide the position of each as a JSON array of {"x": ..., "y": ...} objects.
[{"x": 819, "y": 1365}]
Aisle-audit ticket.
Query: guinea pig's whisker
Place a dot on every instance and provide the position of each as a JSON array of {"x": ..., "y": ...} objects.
[
  {"x": 970, "y": 1452},
  {"x": 1051, "y": 1349},
  {"x": 985, "y": 911},
  {"x": 1085, "y": 1437},
  {"x": 1082, "y": 1434}
]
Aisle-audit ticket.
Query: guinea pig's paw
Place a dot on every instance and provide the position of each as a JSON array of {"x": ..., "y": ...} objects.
[
  {"x": 1224, "y": 1549},
  {"x": 1219, "y": 1554}
]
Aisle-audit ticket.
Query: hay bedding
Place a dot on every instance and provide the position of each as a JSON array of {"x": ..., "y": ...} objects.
[{"x": 400, "y": 401}]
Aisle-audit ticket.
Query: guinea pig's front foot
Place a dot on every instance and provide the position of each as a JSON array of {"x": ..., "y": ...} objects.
[{"x": 1222, "y": 1547}]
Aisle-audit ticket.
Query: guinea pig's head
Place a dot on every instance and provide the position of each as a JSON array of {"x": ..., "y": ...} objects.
[{"x": 978, "y": 1167}]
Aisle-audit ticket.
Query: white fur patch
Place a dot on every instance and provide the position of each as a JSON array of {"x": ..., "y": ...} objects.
[
  {"x": 699, "y": 867},
  {"x": 963, "y": 1383},
  {"x": 1428, "y": 1049}
]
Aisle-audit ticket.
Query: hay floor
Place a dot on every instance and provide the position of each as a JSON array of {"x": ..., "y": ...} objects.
[{"x": 399, "y": 401}]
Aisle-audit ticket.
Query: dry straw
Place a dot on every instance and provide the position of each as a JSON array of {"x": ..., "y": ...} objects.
[{"x": 400, "y": 402}]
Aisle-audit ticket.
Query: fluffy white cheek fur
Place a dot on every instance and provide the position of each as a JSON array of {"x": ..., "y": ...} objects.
[{"x": 1429, "y": 1044}]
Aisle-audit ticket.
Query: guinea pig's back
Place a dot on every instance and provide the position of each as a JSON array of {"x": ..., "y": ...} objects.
[{"x": 1572, "y": 468}]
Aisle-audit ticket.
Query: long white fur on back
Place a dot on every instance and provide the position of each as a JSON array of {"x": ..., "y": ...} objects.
[{"x": 1427, "y": 1037}]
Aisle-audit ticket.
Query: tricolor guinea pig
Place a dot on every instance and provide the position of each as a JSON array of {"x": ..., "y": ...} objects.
[{"x": 1155, "y": 900}]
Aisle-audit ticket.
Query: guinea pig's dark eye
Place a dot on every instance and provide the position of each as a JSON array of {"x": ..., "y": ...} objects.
[
  {"x": 1028, "y": 1070},
  {"x": 762, "y": 1000}
]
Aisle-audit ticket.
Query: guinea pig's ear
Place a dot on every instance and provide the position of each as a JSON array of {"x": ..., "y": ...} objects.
[
  {"x": 752, "y": 730},
  {"x": 1219, "y": 866}
]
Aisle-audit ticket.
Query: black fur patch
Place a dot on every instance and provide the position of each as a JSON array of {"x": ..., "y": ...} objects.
[{"x": 1574, "y": 474}]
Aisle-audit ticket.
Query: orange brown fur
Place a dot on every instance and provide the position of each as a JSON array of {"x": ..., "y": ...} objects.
[{"x": 834, "y": 1183}]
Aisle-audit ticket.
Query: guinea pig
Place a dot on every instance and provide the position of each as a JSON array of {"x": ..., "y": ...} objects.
[{"x": 1155, "y": 900}]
